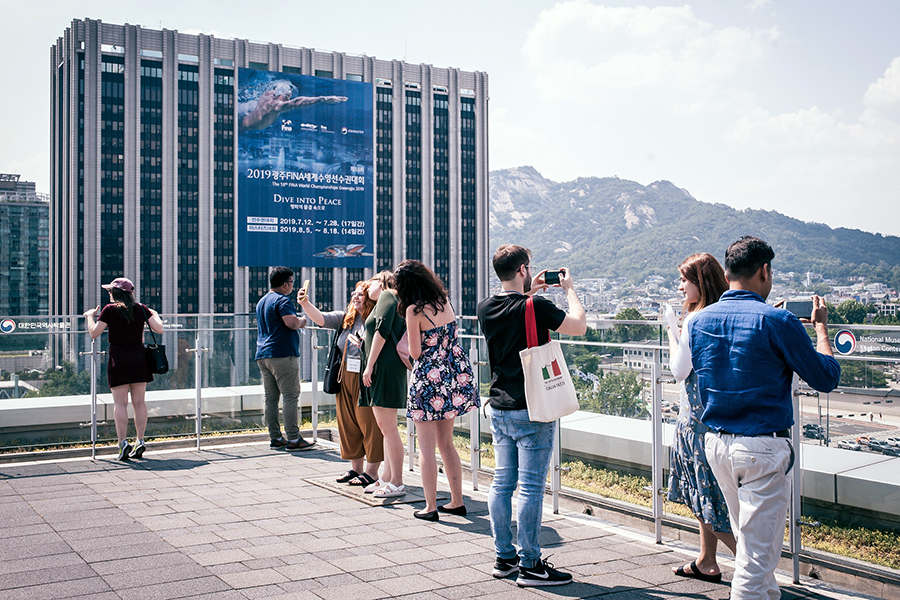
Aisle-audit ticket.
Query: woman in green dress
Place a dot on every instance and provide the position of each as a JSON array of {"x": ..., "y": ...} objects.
[{"x": 384, "y": 381}]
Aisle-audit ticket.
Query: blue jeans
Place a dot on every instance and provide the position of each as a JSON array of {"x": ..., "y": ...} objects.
[{"x": 522, "y": 451}]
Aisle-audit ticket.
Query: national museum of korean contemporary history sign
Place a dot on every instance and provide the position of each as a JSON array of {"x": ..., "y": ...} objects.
[{"x": 304, "y": 171}]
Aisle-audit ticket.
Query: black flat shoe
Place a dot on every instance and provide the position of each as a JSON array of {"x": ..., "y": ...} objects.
[
  {"x": 459, "y": 510},
  {"x": 426, "y": 516}
]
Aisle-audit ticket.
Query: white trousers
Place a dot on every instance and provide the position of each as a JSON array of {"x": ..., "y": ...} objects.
[{"x": 753, "y": 475}]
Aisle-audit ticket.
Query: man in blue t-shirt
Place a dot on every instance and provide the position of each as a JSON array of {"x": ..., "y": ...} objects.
[
  {"x": 745, "y": 353},
  {"x": 521, "y": 447},
  {"x": 277, "y": 353}
]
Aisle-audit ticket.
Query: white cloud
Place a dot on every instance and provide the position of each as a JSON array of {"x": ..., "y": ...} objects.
[
  {"x": 515, "y": 143},
  {"x": 825, "y": 162},
  {"x": 885, "y": 91},
  {"x": 757, "y": 4},
  {"x": 582, "y": 51}
]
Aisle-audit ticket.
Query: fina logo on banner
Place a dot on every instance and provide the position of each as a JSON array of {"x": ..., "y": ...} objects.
[
  {"x": 845, "y": 341},
  {"x": 7, "y": 325}
]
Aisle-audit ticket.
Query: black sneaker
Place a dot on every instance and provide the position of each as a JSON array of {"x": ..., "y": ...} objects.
[
  {"x": 138, "y": 451},
  {"x": 505, "y": 566},
  {"x": 278, "y": 443},
  {"x": 542, "y": 574},
  {"x": 124, "y": 450}
]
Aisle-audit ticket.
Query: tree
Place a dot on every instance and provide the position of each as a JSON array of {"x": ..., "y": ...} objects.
[
  {"x": 853, "y": 311},
  {"x": 834, "y": 316},
  {"x": 631, "y": 333},
  {"x": 861, "y": 375},
  {"x": 619, "y": 394},
  {"x": 64, "y": 381}
]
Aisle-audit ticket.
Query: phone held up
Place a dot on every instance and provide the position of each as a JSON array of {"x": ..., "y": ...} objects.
[
  {"x": 800, "y": 308},
  {"x": 304, "y": 291},
  {"x": 552, "y": 277}
]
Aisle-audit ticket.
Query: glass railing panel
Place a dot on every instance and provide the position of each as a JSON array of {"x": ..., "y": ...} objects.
[
  {"x": 46, "y": 384},
  {"x": 850, "y": 449},
  {"x": 606, "y": 445}
]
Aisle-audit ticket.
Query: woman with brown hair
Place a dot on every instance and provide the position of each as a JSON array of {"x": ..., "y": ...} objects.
[
  {"x": 691, "y": 482},
  {"x": 443, "y": 385},
  {"x": 127, "y": 370},
  {"x": 359, "y": 433},
  {"x": 384, "y": 381}
]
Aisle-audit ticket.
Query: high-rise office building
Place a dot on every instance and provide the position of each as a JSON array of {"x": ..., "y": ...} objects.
[
  {"x": 24, "y": 247},
  {"x": 144, "y": 148}
]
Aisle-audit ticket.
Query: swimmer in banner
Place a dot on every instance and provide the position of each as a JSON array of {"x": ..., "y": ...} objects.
[{"x": 273, "y": 99}]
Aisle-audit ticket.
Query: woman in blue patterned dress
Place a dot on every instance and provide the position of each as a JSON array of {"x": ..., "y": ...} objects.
[
  {"x": 691, "y": 482},
  {"x": 443, "y": 385}
]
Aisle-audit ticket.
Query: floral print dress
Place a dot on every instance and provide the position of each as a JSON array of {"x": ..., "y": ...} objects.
[
  {"x": 443, "y": 385},
  {"x": 691, "y": 481}
]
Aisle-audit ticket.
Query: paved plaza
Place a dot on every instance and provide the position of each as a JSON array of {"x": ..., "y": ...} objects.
[{"x": 242, "y": 522}]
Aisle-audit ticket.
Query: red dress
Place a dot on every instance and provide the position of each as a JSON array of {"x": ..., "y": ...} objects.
[{"x": 127, "y": 361}]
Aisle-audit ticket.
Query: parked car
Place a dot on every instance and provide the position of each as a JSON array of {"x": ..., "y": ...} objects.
[
  {"x": 878, "y": 445},
  {"x": 864, "y": 440},
  {"x": 813, "y": 426},
  {"x": 814, "y": 434},
  {"x": 891, "y": 451},
  {"x": 849, "y": 445},
  {"x": 893, "y": 441}
]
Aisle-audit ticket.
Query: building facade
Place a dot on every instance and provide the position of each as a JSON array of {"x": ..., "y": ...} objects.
[
  {"x": 24, "y": 247},
  {"x": 143, "y": 154}
]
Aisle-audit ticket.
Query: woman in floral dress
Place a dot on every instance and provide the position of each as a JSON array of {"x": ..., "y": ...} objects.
[
  {"x": 443, "y": 385},
  {"x": 691, "y": 482}
]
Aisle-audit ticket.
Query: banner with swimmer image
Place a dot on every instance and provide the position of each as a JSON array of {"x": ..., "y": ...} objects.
[{"x": 304, "y": 170}]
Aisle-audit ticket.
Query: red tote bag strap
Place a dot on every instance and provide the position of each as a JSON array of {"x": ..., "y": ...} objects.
[{"x": 531, "y": 336}]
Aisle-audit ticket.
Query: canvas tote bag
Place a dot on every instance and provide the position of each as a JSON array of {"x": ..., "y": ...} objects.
[{"x": 549, "y": 391}]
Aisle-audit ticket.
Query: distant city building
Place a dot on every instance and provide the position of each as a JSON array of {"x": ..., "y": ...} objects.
[
  {"x": 143, "y": 154},
  {"x": 888, "y": 309},
  {"x": 24, "y": 247}
]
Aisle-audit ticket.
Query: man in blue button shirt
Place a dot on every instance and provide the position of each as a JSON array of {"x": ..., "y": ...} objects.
[{"x": 745, "y": 353}]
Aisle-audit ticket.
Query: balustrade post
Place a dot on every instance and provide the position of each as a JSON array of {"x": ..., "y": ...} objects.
[
  {"x": 656, "y": 447},
  {"x": 93, "y": 354},
  {"x": 198, "y": 351}
]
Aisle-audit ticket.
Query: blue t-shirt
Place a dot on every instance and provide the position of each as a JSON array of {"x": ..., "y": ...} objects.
[
  {"x": 276, "y": 340},
  {"x": 745, "y": 353}
]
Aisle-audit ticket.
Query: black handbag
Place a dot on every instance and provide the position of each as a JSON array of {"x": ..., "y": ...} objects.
[
  {"x": 331, "y": 382},
  {"x": 155, "y": 352}
]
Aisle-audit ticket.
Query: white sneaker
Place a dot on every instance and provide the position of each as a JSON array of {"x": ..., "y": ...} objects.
[{"x": 374, "y": 486}]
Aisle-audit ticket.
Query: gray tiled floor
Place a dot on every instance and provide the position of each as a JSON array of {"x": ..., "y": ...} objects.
[{"x": 240, "y": 523}]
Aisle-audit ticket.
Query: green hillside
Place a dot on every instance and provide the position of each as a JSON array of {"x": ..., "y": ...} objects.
[{"x": 611, "y": 227}]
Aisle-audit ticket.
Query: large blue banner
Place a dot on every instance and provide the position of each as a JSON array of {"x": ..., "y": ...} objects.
[{"x": 304, "y": 171}]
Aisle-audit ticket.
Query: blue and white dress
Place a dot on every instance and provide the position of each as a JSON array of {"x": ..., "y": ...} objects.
[{"x": 691, "y": 481}]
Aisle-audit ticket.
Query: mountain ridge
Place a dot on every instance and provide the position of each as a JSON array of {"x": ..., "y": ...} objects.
[{"x": 612, "y": 227}]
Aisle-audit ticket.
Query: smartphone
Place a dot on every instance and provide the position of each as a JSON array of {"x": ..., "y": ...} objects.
[
  {"x": 802, "y": 309},
  {"x": 552, "y": 277},
  {"x": 305, "y": 289}
]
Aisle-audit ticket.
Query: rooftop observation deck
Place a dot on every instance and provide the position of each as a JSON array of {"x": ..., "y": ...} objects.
[
  {"x": 243, "y": 521},
  {"x": 236, "y": 520}
]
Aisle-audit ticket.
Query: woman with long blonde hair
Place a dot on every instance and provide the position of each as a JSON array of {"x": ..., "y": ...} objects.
[{"x": 359, "y": 433}]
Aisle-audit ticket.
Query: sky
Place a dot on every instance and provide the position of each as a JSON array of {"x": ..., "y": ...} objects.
[{"x": 792, "y": 106}]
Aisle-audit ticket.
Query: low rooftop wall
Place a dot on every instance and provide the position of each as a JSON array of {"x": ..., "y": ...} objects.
[{"x": 865, "y": 482}]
